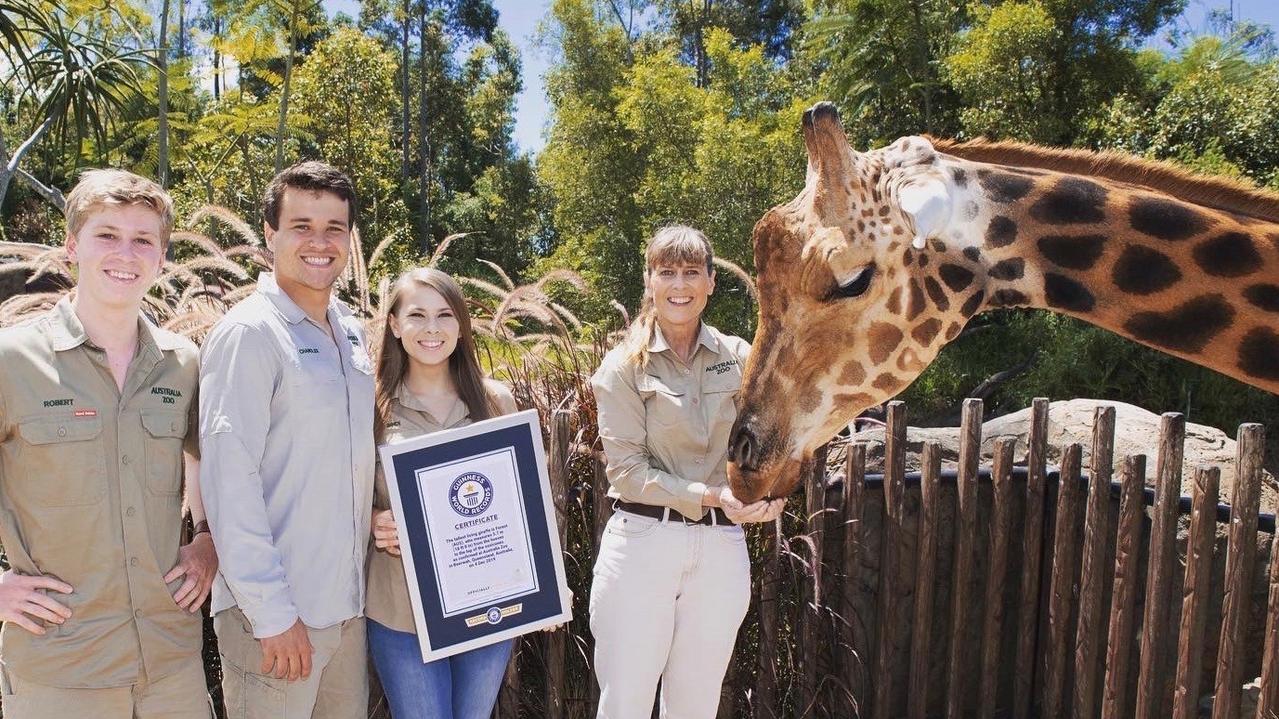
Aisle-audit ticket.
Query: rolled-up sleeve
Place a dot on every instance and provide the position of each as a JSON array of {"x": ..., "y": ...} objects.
[
  {"x": 238, "y": 373},
  {"x": 623, "y": 433}
]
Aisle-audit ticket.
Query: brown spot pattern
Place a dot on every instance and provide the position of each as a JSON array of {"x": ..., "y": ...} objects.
[{"x": 883, "y": 339}]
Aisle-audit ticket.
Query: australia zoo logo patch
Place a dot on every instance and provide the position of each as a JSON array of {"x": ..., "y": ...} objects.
[{"x": 471, "y": 494}]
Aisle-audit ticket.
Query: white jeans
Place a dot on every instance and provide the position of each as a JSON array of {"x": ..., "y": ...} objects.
[{"x": 666, "y": 601}]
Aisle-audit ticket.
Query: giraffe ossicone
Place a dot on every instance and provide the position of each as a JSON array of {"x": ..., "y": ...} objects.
[{"x": 885, "y": 255}]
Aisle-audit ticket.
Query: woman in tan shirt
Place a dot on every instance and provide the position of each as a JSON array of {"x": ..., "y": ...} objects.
[
  {"x": 428, "y": 379},
  {"x": 672, "y": 581}
]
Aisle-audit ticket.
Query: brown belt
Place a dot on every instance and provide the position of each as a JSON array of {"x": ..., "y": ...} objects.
[{"x": 715, "y": 517}]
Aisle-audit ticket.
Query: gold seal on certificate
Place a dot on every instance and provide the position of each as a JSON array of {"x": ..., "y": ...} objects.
[{"x": 477, "y": 533}]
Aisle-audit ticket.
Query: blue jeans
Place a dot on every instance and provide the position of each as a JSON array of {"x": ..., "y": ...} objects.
[{"x": 463, "y": 686}]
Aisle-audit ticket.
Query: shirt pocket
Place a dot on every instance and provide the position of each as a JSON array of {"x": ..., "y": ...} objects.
[
  {"x": 720, "y": 392},
  {"x": 64, "y": 461},
  {"x": 664, "y": 405},
  {"x": 166, "y": 431}
]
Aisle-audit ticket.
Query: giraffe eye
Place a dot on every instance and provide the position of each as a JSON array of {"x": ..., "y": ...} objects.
[{"x": 855, "y": 286}]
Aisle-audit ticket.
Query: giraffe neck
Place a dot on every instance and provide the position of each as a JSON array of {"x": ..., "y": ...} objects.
[{"x": 1195, "y": 282}]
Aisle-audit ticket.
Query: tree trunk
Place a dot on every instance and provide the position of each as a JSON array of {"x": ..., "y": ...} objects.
[
  {"x": 9, "y": 163},
  {"x": 162, "y": 60},
  {"x": 282, "y": 126},
  {"x": 405, "y": 114},
  {"x": 424, "y": 147},
  {"x": 217, "y": 59}
]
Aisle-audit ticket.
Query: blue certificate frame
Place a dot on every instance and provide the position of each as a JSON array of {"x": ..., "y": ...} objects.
[{"x": 478, "y": 533}]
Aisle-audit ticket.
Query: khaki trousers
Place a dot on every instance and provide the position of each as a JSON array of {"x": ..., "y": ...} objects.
[
  {"x": 180, "y": 695},
  {"x": 338, "y": 687},
  {"x": 666, "y": 602}
]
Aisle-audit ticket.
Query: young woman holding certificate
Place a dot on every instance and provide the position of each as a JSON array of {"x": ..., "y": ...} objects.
[
  {"x": 428, "y": 379},
  {"x": 672, "y": 581}
]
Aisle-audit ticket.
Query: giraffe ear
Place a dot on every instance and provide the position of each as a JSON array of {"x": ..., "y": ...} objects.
[{"x": 926, "y": 202}]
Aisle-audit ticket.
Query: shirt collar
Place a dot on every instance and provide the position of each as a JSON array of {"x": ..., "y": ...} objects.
[
  {"x": 705, "y": 337},
  {"x": 408, "y": 400},
  {"x": 66, "y": 331},
  {"x": 270, "y": 289}
]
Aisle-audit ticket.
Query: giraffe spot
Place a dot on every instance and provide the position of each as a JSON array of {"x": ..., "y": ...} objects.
[
  {"x": 926, "y": 331},
  {"x": 972, "y": 253},
  {"x": 916, "y": 301},
  {"x": 971, "y": 210},
  {"x": 960, "y": 176},
  {"x": 1072, "y": 201},
  {"x": 908, "y": 361},
  {"x": 1186, "y": 327},
  {"x": 1257, "y": 353},
  {"x": 1000, "y": 232},
  {"x": 923, "y": 260},
  {"x": 953, "y": 331},
  {"x": 1141, "y": 270},
  {"x": 809, "y": 399},
  {"x": 883, "y": 211},
  {"x": 1078, "y": 252},
  {"x": 1003, "y": 187},
  {"x": 938, "y": 245},
  {"x": 1230, "y": 255},
  {"x": 860, "y": 400},
  {"x": 894, "y": 304},
  {"x": 852, "y": 373},
  {"x": 1066, "y": 294},
  {"x": 1009, "y": 298},
  {"x": 972, "y": 304},
  {"x": 1263, "y": 296},
  {"x": 886, "y": 382},
  {"x": 1010, "y": 269},
  {"x": 1165, "y": 219},
  {"x": 908, "y": 257},
  {"x": 937, "y": 294},
  {"x": 883, "y": 339},
  {"x": 955, "y": 277}
]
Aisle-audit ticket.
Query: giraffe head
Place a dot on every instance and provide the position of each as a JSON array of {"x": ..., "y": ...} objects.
[{"x": 843, "y": 270}]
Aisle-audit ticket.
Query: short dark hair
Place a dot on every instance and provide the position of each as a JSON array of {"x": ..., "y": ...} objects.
[{"x": 310, "y": 175}]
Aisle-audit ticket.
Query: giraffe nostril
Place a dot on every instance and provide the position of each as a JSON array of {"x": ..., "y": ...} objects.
[{"x": 744, "y": 452}]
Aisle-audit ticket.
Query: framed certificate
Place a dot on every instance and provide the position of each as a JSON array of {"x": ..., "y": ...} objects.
[{"x": 477, "y": 533}]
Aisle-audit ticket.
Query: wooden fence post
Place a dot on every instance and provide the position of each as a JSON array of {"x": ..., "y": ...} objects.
[
  {"x": 1240, "y": 555},
  {"x": 555, "y": 647},
  {"x": 1152, "y": 695},
  {"x": 1096, "y": 525},
  {"x": 922, "y": 625},
  {"x": 1032, "y": 559},
  {"x": 854, "y": 666},
  {"x": 764, "y": 700},
  {"x": 966, "y": 539},
  {"x": 889, "y": 609},
  {"x": 1122, "y": 610},
  {"x": 810, "y": 617},
  {"x": 1198, "y": 591},
  {"x": 1063, "y": 580},
  {"x": 1268, "y": 705},
  {"x": 1000, "y": 528}
]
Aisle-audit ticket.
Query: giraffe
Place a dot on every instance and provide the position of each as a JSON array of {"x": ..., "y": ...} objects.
[{"x": 885, "y": 255}]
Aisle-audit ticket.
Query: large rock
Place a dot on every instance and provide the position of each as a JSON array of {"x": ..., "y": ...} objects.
[{"x": 1071, "y": 421}]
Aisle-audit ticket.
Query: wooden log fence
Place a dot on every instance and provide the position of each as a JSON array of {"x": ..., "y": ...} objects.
[{"x": 1018, "y": 591}]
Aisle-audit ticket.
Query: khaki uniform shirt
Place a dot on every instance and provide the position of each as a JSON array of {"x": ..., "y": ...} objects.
[
  {"x": 665, "y": 427},
  {"x": 286, "y": 427},
  {"x": 388, "y": 600},
  {"x": 91, "y": 493}
]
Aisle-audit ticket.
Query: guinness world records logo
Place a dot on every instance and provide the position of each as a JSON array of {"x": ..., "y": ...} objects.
[{"x": 470, "y": 494}]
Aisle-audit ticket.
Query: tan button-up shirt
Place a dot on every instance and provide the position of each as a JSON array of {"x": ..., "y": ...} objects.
[
  {"x": 91, "y": 493},
  {"x": 665, "y": 427},
  {"x": 388, "y": 600},
  {"x": 286, "y": 427}
]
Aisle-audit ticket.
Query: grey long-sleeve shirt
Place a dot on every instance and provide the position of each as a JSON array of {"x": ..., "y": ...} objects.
[{"x": 286, "y": 438}]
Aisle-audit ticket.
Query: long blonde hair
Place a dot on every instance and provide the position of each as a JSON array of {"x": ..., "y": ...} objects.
[
  {"x": 671, "y": 245},
  {"x": 393, "y": 360}
]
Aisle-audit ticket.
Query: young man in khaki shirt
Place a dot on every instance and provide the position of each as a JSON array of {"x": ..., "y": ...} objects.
[{"x": 97, "y": 410}]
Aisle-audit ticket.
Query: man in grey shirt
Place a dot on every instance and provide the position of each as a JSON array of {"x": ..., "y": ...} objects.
[{"x": 286, "y": 434}]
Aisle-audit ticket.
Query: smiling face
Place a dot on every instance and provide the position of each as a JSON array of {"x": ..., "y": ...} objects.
[
  {"x": 312, "y": 241},
  {"x": 426, "y": 326},
  {"x": 118, "y": 251},
  {"x": 680, "y": 292}
]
